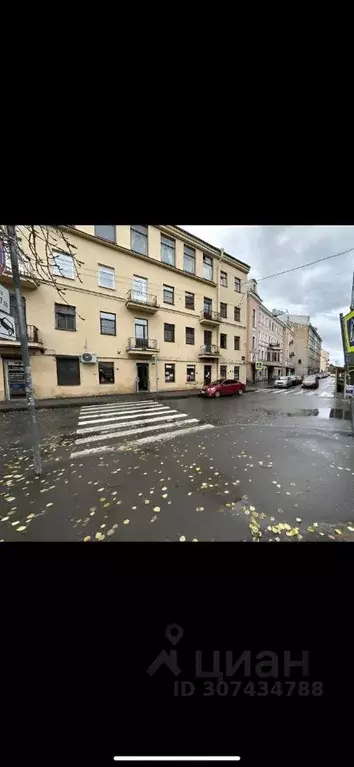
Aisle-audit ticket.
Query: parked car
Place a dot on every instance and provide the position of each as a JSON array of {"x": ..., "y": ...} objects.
[
  {"x": 294, "y": 380},
  {"x": 310, "y": 382},
  {"x": 299, "y": 379},
  {"x": 223, "y": 387},
  {"x": 283, "y": 382}
]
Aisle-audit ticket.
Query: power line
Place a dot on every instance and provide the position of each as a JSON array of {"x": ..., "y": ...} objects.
[{"x": 302, "y": 266}]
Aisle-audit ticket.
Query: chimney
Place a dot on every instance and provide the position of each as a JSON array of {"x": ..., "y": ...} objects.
[{"x": 252, "y": 285}]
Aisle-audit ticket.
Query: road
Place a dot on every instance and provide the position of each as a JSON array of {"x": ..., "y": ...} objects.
[{"x": 268, "y": 466}]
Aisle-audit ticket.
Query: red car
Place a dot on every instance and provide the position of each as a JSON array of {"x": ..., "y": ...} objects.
[{"x": 222, "y": 387}]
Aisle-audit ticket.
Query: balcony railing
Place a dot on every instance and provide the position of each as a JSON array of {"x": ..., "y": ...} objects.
[
  {"x": 142, "y": 344},
  {"x": 209, "y": 350},
  {"x": 208, "y": 315},
  {"x": 144, "y": 300},
  {"x": 274, "y": 346}
]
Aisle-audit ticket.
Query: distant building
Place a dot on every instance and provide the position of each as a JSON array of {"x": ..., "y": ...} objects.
[
  {"x": 324, "y": 361},
  {"x": 270, "y": 340},
  {"x": 307, "y": 344}
]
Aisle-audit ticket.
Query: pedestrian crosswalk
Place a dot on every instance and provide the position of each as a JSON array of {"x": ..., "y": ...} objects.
[
  {"x": 118, "y": 426},
  {"x": 298, "y": 393}
]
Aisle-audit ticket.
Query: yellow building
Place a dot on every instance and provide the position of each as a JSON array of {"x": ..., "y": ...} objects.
[
  {"x": 270, "y": 340},
  {"x": 151, "y": 307},
  {"x": 324, "y": 361}
]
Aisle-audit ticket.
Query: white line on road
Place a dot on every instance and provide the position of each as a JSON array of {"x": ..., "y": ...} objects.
[
  {"x": 143, "y": 441},
  {"x": 118, "y": 404},
  {"x": 107, "y": 427},
  {"x": 176, "y": 758},
  {"x": 117, "y": 435},
  {"x": 124, "y": 415},
  {"x": 103, "y": 409}
]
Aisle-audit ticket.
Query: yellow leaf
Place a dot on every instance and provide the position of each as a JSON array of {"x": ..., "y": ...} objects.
[
  {"x": 311, "y": 529},
  {"x": 338, "y": 531}
]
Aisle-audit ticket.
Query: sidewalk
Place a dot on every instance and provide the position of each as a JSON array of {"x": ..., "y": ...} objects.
[{"x": 80, "y": 401}]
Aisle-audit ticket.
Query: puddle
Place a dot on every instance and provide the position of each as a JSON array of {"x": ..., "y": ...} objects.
[{"x": 322, "y": 412}]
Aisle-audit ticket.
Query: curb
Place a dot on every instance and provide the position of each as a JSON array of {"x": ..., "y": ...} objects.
[{"x": 82, "y": 401}]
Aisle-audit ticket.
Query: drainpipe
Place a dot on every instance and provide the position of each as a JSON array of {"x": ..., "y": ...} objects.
[{"x": 218, "y": 302}]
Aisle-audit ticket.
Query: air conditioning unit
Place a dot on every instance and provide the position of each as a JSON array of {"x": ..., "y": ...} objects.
[{"x": 88, "y": 358}]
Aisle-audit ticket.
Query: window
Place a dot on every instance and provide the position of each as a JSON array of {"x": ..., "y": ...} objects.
[
  {"x": 207, "y": 267},
  {"x": 139, "y": 239},
  {"x": 65, "y": 317},
  {"x": 168, "y": 294},
  {"x": 68, "y": 371},
  {"x": 141, "y": 333},
  {"x": 274, "y": 357},
  {"x": 237, "y": 285},
  {"x": 108, "y": 324},
  {"x": 168, "y": 255},
  {"x": 253, "y": 342},
  {"x": 64, "y": 266},
  {"x": 237, "y": 343},
  {"x": 236, "y": 373},
  {"x": 273, "y": 327},
  {"x": 190, "y": 373},
  {"x": 223, "y": 310},
  {"x": 208, "y": 307},
  {"x": 106, "y": 277},
  {"x": 106, "y": 231},
  {"x": 223, "y": 279},
  {"x": 254, "y": 318},
  {"x": 299, "y": 362},
  {"x": 189, "y": 300},
  {"x": 169, "y": 332},
  {"x": 237, "y": 314},
  {"x": 189, "y": 260},
  {"x": 140, "y": 289},
  {"x": 190, "y": 336},
  {"x": 223, "y": 340},
  {"x": 106, "y": 372},
  {"x": 169, "y": 373},
  {"x": 223, "y": 371}
]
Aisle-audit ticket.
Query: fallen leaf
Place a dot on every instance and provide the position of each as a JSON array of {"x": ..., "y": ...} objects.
[
  {"x": 126, "y": 522},
  {"x": 182, "y": 538},
  {"x": 298, "y": 519},
  {"x": 311, "y": 529},
  {"x": 338, "y": 531},
  {"x": 164, "y": 495},
  {"x": 100, "y": 536},
  {"x": 21, "y": 529},
  {"x": 87, "y": 538}
]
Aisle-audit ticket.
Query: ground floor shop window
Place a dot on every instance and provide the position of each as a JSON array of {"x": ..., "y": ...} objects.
[
  {"x": 68, "y": 371},
  {"x": 169, "y": 373},
  {"x": 223, "y": 371},
  {"x": 106, "y": 372},
  {"x": 236, "y": 373},
  {"x": 190, "y": 373}
]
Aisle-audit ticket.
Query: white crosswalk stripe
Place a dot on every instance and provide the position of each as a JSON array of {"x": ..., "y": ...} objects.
[
  {"x": 298, "y": 393},
  {"x": 127, "y": 424}
]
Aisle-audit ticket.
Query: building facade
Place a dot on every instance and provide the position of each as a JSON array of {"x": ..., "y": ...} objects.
[
  {"x": 140, "y": 307},
  {"x": 270, "y": 340},
  {"x": 324, "y": 361},
  {"x": 307, "y": 344}
]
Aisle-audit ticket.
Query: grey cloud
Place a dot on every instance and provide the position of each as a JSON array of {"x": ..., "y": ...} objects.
[{"x": 322, "y": 290}]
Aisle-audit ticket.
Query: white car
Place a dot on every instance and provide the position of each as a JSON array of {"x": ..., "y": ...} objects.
[{"x": 283, "y": 382}]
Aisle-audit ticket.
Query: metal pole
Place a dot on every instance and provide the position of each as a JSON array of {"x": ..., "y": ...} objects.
[
  {"x": 352, "y": 298},
  {"x": 157, "y": 378},
  {"x": 12, "y": 241}
]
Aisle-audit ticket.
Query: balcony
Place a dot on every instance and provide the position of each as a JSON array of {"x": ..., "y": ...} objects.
[
  {"x": 142, "y": 346},
  {"x": 141, "y": 301},
  {"x": 33, "y": 338},
  {"x": 274, "y": 346},
  {"x": 27, "y": 281},
  {"x": 208, "y": 317},
  {"x": 209, "y": 350}
]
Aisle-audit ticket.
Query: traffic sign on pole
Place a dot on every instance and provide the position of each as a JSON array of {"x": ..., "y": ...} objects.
[
  {"x": 2, "y": 257},
  {"x": 7, "y": 326},
  {"x": 4, "y": 300}
]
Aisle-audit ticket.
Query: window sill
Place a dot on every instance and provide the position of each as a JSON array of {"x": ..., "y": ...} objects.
[
  {"x": 107, "y": 287},
  {"x": 66, "y": 330}
]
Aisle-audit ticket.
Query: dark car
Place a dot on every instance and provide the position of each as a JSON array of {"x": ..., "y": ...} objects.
[
  {"x": 222, "y": 387},
  {"x": 310, "y": 382}
]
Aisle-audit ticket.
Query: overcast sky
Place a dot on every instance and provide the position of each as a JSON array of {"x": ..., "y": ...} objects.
[{"x": 322, "y": 291}]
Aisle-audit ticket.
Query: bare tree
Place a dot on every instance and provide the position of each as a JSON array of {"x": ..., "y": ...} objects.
[{"x": 37, "y": 246}]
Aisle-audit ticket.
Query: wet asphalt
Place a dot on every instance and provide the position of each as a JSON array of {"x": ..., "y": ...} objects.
[{"x": 275, "y": 468}]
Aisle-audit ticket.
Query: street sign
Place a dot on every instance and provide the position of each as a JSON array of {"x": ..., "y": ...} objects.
[
  {"x": 259, "y": 365},
  {"x": 7, "y": 326},
  {"x": 4, "y": 300},
  {"x": 2, "y": 257}
]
